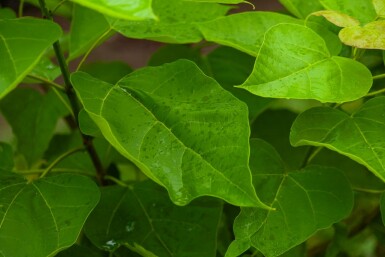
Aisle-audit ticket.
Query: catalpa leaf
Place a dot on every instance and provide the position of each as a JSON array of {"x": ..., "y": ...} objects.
[
  {"x": 17, "y": 60},
  {"x": 128, "y": 10},
  {"x": 294, "y": 62},
  {"x": 179, "y": 128},
  {"x": 301, "y": 8},
  {"x": 43, "y": 216},
  {"x": 178, "y": 21},
  {"x": 379, "y": 6},
  {"x": 6, "y": 158},
  {"x": 362, "y": 10},
  {"x": 143, "y": 217},
  {"x": 357, "y": 136},
  {"x": 370, "y": 36},
  {"x": 305, "y": 201},
  {"x": 338, "y": 18},
  {"x": 240, "y": 30}
]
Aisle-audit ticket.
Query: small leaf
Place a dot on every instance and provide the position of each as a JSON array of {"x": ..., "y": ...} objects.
[
  {"x": 18, "y": 60},
  {"x": 240, "y": 30},
  {"x": 179, "y": 128},
  {"x": 44, "y": 216},
  {"x": 357, "y": 136},
  {"x": 379, "y": 6},
  {"x": 143, "y": 219},
  {"x": 132, "y": 10},
  {"x": 370, "y": 36},
  {"x": 337, "y": 18},
  {"x": 301, "y": 8},
  {"x": 41, "y": 114},
  {"x": 61, "y": 8},
  {"x": 178, "y": 21},
  {"x": 88, "y": 27},
  {"x": 7, "y": 13},
  {"x": 6, "y": 158},
  {"x": 363, "y": 10},
  {"x": 306, "y": 201},
  {"x": 294, "y": 62}
]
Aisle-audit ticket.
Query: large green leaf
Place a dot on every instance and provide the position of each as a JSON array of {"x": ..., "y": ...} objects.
[
  {"x": 6, "y": 157},
  {"x": 179, "y": 128},
  {"x": 306, "y": 201},
  {"x": 301, "y": 8},
  {"x": 17, "y": 60},
  {"x": 358, "y": 136},
  {"x": 294, "y": 62},
  {"x": 142, "y": 215},
  {"x": 370, "y": 36},
  {"x": 178, "y": 21},
  {"x": 363, "y": 10},
  {"x": 87, "y": 28},
  {"x": 129, "y": 10},
  {"x": 45, "y": 216},
  {"x": 7, "y": 13},
  {"x": 243, "y": 31},
  {"x": 34, "y": 122}
]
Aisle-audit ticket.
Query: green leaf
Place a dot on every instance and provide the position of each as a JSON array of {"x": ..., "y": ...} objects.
[
  {"x": 370, "y": 36},
  {"x": 44, "y": 216},
  {"x": 240, "y": 30},
  {"x": 41, "y": 114},
  {"x": 79, "y": 251},
  {"x": 132, "y": 10},
  {"x": 379, "y": 6},
  {"x": 45, "y": 69},
  {"x": 143, "y": 218},
  {"x": 179, "y": 128},
  {"x": 108, "y": 71},
  {"x": 363, "y": 10},
  {"x": 337, "y": 18},
  {"x": 87, "y": 28},
  {"x": 178, "y": 21},
  {"x": 6, "y": 158},
  {"x": 357, "y": 136},
  {"x": 18, "y": 60},
  {"x": 218, "y": 1},
  {"x": 301, "y": 8},
  {"x": 294, "y": 62},
  {"x": 62, "y": 8},
  {"x": 7, "y": 13},
  {"x": 306, "y": 201},
  {"x": 382, "y": 205}
]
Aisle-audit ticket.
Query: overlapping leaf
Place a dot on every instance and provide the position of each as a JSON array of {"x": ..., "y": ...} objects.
[
  {"x": 337, "y": 18},
  {"x": 379, "y": 6},
  {"x": 17, "y": 60},
  {"x": 179, "y": 128},
  {"x": 294, "y": 62},
  {"x": 301, "y": 8},
  {"x": 129, "y": 10},
  {"x": 358, "y": 136},
  {"x": 178, "y": 21},
  {"x": 370, "y": 36},
  {"x": 45, "y": 216},
  {"x": 41, "y": 114},
  {"x": 219, "y": 1},
  {"x": 305, "y": 201},
  {"x": 143, "y": 217}
]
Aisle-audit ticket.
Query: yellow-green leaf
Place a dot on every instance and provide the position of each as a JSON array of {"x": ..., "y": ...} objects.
[{"x": 338, "y": 18}]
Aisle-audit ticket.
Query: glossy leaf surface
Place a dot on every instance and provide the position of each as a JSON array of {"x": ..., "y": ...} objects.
[
  {"x": 88, "y": 28},
  {"x": 294, "y": 62},
  {"x": 129, "y": 10},
  {"x": 363, "y": 10},
  {"x": 44, "y": 216},
  {"x": 240, "y": 30},
  {"x": 16, "y": 59},
  {"x": 306, "y": 201},
  {"x": 179, "y": 129},
  {"x": 143, "y": 217},
  {"x": 39, "y": 112},
  {"x": 301, "y": 8},
  {"x": 358, "y": 136},
  {"x": 370, "y": 36},
  {"x": 178, "y": 21}
]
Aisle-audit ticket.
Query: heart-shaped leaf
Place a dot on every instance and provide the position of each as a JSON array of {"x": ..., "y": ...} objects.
[
  {"x": 179, "y": 128},
  {"x": 144, "y": 216},
  {"x": 178, "y": 21},
  {"x": 240, "y": 30},
  {"x": 337, "y": 18},
  {"x": 306, "y": 201},
  {"x": 358, "y": 136},
  {"x": 16, "y": 59},
  {"x": 129, "y": 10},
  {"x": 301, "y": 8},
  {"x": 294, "y": 62},
  {"x": 45, "y": 216},
  {"x": 370, "y": 36}
]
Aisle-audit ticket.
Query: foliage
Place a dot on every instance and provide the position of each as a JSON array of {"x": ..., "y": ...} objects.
[{"x": 248, "y": 134}]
